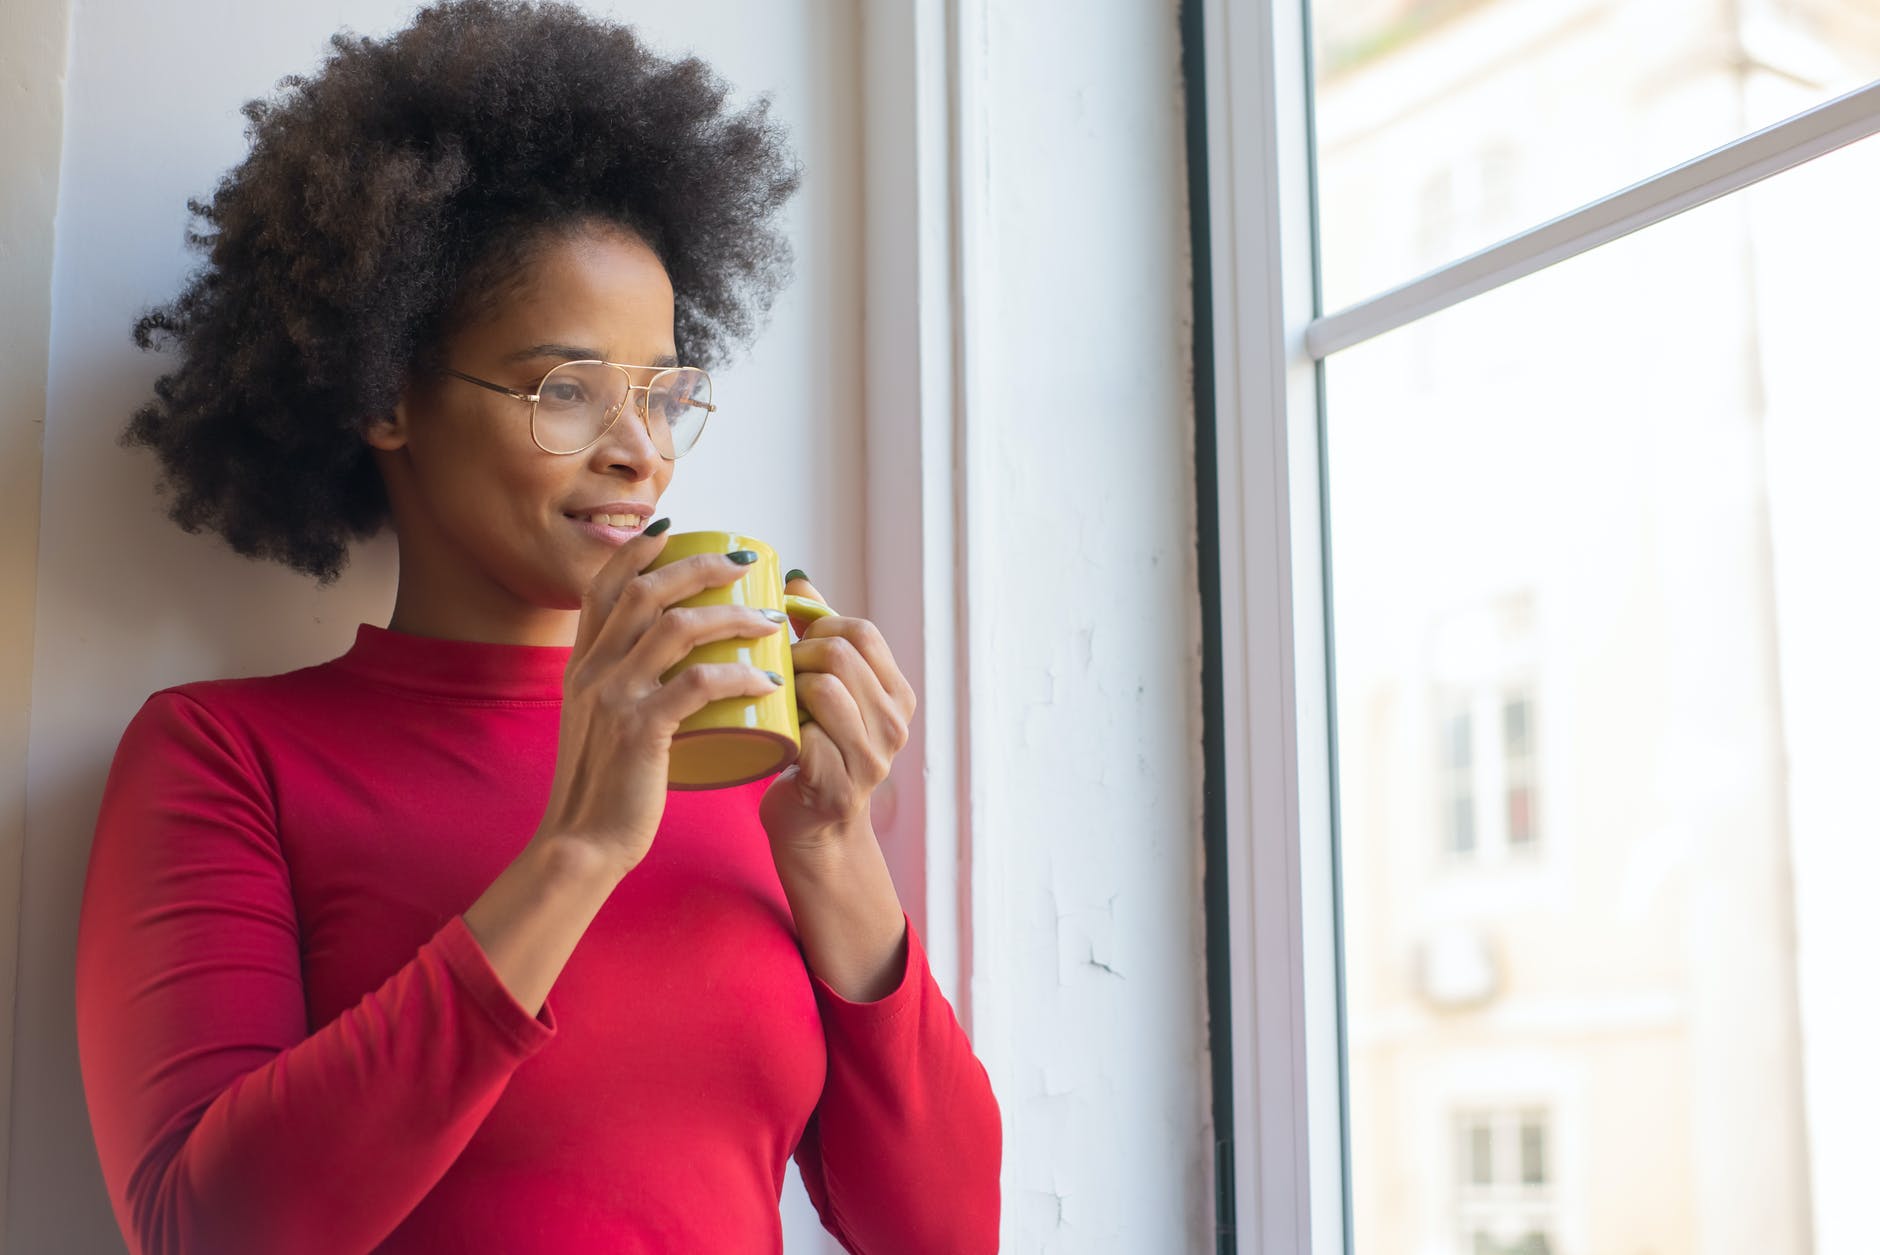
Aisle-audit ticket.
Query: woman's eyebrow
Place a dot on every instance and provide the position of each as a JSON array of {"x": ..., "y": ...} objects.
[
  {"x": 573, "y": 353},
  {"x": 566, "y": 351}
]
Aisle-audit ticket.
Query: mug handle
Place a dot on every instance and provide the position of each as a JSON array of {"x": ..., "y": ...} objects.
[{"x": 805, "y": 608}]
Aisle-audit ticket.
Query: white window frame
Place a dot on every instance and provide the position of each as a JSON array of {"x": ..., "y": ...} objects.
[
  {"x": 1287, "y": 1090},
  {"x": 1269, "y": 342}
]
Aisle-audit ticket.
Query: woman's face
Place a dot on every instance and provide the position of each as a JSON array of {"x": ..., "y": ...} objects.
[{"x": 487, "y": 548}]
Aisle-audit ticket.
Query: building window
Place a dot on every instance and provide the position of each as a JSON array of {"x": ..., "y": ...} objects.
[
  {"x": 1486, "y": 773},
  {"x": 1504, "y": 1197}
]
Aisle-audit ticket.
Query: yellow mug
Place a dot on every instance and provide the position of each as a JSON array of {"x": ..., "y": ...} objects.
[{"x": 739, "y": 739}]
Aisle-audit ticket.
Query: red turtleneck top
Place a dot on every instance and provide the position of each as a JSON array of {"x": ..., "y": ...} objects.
[{"x": 291, "y": 1043}]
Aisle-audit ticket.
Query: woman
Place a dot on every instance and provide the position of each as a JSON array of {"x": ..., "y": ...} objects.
[{"x": 412, "y": 950}]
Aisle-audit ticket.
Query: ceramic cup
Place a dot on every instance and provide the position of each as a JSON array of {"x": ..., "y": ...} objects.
[{"x": 739, "y": 739}]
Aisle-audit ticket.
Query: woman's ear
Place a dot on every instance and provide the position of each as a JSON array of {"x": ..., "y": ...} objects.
[{"x": 388, "y": 431}]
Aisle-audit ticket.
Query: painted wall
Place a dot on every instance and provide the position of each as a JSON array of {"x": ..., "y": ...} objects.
[
  {"x": 32, "y": 73},
  {"x": 1084, "y": 625},
  {"x": 1046, "y": 323},
  {"x": 126, "y": 603}
]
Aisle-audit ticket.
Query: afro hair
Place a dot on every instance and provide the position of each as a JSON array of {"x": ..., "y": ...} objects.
[{"x": 409, "y": 172}]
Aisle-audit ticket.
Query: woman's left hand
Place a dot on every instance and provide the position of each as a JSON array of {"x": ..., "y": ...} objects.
[{"x": 859, "y": 707}]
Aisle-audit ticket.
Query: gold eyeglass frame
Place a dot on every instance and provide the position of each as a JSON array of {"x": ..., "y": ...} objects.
[{"x": 640, "y": 409}]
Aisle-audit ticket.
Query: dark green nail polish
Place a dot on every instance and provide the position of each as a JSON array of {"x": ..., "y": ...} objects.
[
  {"x": 774, "y": 677},
  {"x": 743, "y": 557},
  {"x": 656, "y": 527},
  {"x": 794, "y": 573}
]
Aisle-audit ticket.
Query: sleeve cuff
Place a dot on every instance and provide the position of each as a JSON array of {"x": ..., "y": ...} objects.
[
  {"x": 889, "y": 1004},
  {"x": 465, "y": 958}
]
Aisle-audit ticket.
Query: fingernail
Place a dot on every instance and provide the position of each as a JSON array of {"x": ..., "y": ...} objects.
[
  {"x": 743, "y": 557},
  {"x": 794, "y": 573},
  {"x": 656, "y": 527},
  {"x": 774, "y": 677},
  {"x": 775, "y": 616}
]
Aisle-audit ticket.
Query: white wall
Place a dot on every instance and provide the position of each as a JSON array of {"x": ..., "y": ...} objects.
[
  {"x": 1001, "y": 187},
  {"x": 32, "y": 70},
  {"x": 126, "y": 603},
  {"x": 1084, "y": 638}
]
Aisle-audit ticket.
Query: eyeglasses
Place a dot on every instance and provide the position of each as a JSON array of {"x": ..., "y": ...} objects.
[{"x": 577, "y": 402}]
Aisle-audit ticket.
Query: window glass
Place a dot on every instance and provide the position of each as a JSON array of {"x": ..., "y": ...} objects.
[
  {"x": 1481, "y": 1151},
  {"x": 1518, "y": 772},
  {"x": 1533, "y": 1151},
  {"x": 1445, "y": 125},
  {"x": 1602, "y": 551}
]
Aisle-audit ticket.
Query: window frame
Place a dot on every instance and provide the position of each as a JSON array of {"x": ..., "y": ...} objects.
[
  {"x": 1261, "y": 340},
  {"x": 1271, "y": 828}
]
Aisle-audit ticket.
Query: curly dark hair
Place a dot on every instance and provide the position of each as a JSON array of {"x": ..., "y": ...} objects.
[{"x": 388, "y": 200}]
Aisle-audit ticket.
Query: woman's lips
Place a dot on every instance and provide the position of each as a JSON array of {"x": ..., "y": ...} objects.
[{"x": 605, "y": 531}]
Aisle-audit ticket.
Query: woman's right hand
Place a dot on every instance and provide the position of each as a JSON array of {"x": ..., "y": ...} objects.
[{"x": 617, "y": 718}]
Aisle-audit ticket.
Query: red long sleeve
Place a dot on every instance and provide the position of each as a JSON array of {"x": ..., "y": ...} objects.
[
  {"x": 225, "y": 1126},
  {"x": 290, "y": 1042},
  {"x": 901, "y": 1074}
]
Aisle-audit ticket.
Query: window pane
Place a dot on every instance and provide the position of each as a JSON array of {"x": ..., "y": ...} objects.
[
  {"x": 1514, "y": 725},
  {"x": 1533, "y": 1153},
  {"x": 1458, "y": 739},
  {"x": 1520, "y": 816},
  {"x": 1445, "y": 125},
  {"x": 1643, "y": 484},
  {"x": 1462, "y": 824},
  {"x": 1481, "y": 1148}
]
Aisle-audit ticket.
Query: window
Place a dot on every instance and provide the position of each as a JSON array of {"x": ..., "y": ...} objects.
[
  {"x": 1482, "y": 666},
  {"x": 1596, "y": 93},
  {"x": 1538, "y": 598},
  {"x": 1657, "y": 941},
  {"x": 1487, "y": 775},
  {"x": 1503, "y": 1202}
]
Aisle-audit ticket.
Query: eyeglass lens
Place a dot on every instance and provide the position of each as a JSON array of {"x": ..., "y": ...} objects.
[{"x": 577, "y": 400}]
